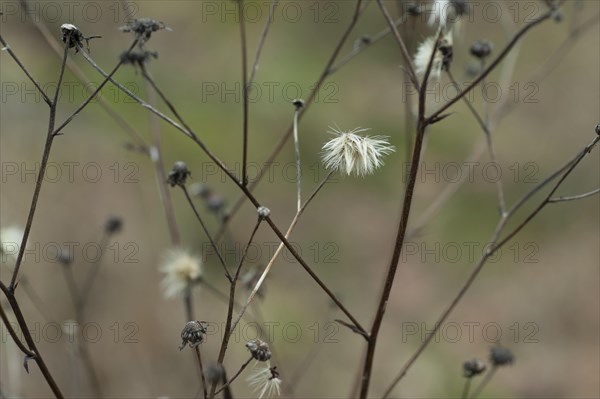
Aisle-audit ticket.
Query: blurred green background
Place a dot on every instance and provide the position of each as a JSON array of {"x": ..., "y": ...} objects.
[{"x": 540, "y": 299}]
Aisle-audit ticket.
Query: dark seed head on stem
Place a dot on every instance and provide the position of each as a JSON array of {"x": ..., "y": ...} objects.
[
  {"x": 259, "y": 350},
  {"x": 113, "y": 225},
  {"x": 263, "y": 212},
  {"x": 178, "y": 174},
  {"x": 143, "y": 28},
  {"x": 298, "y": 103},
  {"x": 481, "y": 49},
  {"x": 214, "y": 373},
  {"x": 501, "y": 356},
  {"x": 137, "y": 58},
  {"x": 473, "y": 367},
  {"x": 598, "y": 129},
  {"x": 193, "y": 334}
]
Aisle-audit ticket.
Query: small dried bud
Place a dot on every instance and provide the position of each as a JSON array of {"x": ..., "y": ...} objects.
[
  {"x": 73, "y": 35},
  {"x": 447, "y": 54},
  {"x": 298, "y": 103},
  {"x": 215, "y": 203},
  {"x": 192, "y": 333},
  {"x": 65, "y": 257},
  {"x": 263, "y": 212},
  {"x": 113, "y": 225},
  {"x": 137, "y": 58},
  {"x": 200, "y": 190},
  {"x": 143, "y": 28},
  {"x": 178, "y": 174},
  {"x": 259, "y": 350},
  {"x": 215, "y": 373},
  {"x": 473, "y": 367},
  {"x": 598, "y": 129},
  {"x": 481, "y": 49},
  {"x": 501, "y": 356}
]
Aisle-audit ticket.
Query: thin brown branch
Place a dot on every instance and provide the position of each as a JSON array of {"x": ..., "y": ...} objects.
[
  {"x": 42, "y": 172},
  {"x": 564, "y": 172},
  {"x": 408, "y": 64},
  {"x": 240, "y": 5},
  {"x": 9, "y": 50},
  {"x": 206, "y": 232},
  {"x": 10, "y": 296},
  {"x": 288, "y": 133},
  {"x": 547, "y": 15}
]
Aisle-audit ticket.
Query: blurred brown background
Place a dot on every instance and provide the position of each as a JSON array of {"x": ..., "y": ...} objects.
[{"x": 540, "y": 298}]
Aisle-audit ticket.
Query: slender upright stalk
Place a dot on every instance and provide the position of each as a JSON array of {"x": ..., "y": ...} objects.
[{"x": 244, "y": 91}]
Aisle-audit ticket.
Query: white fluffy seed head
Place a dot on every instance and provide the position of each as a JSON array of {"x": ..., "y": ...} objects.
[
  {"x": 265, "y": 381},
  {"x": 423, "y": 55},
  {"x": 350, "y": 153},
  {"x": 180, "y": 270},
  {"x": 10, "y": 241}
]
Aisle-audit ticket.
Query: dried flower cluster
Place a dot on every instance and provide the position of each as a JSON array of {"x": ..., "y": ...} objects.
[{"x": 350, "y": 153}]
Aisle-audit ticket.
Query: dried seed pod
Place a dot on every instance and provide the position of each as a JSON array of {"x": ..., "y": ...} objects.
[
  {"x": 259, "y": 350},
  {"x": 192, "y": 334},
  {"x": 178, "y": 174},
  {"x": 501, "y": 356},
  {"x": 473, "y": 367}
]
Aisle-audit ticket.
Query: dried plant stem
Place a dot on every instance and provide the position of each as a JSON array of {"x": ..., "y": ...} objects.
[
  {"x": 30, "y": 341},
  {"x": 40, "y": 177},
  {"x": 202, "y": 377},
  {"x": 189, "y": 314},
  {"x": 156, "y": 155},
  {"x": 485, "y": 126},
  {"x": 547, "y": 15},
  {"x": 555, "y": 59},
  {"x": 278, "y": 250},
  {"x": 80, "y": 75},
  {"x": 405, "y": 214},
  {"x": 298, "y": 165},
  {"x": 263, "y": 39},
  {"x": 407, "y": 60},
  {"x": 14, "y": 335},
  {"x": 244, "y": 46},
  {"x": 83, "y": 294},
  {"x": 360, "y": 48},
  {"x": 574, "y": 197},
  {"x": 233, "y": 283},
  {"x": 565, "y": 171},
  {"x": 486, "y": 380},
  {"x": 467, "y": 386},
  {"x": 228, "y": 383},
  {"x": 285, "y": 137},
  {"x": 206, "y": 232},
  {"x": 25, "y": 70},
  {"x": 245, "y": 190}
]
